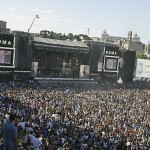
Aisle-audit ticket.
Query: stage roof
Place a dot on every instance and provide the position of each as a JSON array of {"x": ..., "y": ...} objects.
[{"x": 60, "y": 45}]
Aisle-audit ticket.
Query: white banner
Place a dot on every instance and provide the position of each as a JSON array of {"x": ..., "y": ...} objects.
[
  {"x": 143, "y": 68},
  {"x": 84, "y": 70}
]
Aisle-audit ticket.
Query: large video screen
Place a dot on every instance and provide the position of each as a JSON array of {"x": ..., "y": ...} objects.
[
  {"x": 143, "y": 68},
  {"x": 111, "y": 63},
  {"x": 6, "y": 57}
]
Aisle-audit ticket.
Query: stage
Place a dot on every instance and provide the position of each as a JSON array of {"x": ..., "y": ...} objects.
[{"x": 81, "y": 80}]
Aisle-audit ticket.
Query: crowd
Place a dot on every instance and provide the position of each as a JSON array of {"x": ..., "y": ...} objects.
[{"x": 76, "y": 115}]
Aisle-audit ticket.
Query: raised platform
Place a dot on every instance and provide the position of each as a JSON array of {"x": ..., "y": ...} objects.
[{"x": 65, "y": 79}]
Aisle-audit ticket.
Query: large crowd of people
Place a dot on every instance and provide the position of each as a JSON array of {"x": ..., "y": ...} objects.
[{"x": 75, "y": 115}]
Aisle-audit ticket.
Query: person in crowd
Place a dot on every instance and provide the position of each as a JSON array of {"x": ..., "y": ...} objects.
[
  {"x": 37, "y": 143},
  {"x": 80, "y": 115},
  {"x": 9, "y": 131},
  {"x": 19, "y": 138}
]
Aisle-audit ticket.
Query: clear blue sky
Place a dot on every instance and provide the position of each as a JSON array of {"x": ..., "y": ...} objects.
[{"x": 76, "y": 16}]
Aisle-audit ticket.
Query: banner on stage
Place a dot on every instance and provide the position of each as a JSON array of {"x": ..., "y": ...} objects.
[{"x": 84, "y": 71}]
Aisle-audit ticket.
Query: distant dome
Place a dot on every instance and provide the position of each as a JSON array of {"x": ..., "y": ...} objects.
[
  {"x": 104, "y": 34},
  {"x": 136, "y": 38}
]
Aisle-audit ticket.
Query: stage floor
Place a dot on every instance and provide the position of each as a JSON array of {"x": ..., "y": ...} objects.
[{"x": 66, "y": 79}]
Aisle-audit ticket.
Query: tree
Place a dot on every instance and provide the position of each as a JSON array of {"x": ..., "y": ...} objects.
[
  {"x": 45, "y": 33},
  {"x": 141, "y": 55},
  {"x": 51, "y": 35},
  {"x": 76, "y": 37},
  {"x": 70, "y": 36}
]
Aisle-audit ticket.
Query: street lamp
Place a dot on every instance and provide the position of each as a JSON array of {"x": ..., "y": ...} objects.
[{"x": 37, "y": 16}]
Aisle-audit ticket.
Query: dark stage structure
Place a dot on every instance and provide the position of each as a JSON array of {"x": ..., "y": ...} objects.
[
  {"x": 104, "y": 61},
  {"x": 23, "y": 56},
  {"x": 7, "y": 56},
  {"x": 126, "y": 71},
  {"x": 58, "y": 58}
]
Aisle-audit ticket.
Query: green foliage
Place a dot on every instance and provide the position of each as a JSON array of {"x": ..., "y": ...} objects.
[
  {"x": 76, "y": 37},
  {"x": 60, "y": 36},
  {"x": 45, "y": 33},
  {"x": 70, "y": 36},
  {"x": 141, "y": 55}
]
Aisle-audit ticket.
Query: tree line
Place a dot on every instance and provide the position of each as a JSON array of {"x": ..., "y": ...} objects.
[{"x": 60, "y": 36}]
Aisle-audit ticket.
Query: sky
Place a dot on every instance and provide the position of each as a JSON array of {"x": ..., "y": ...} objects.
[{"x": 77, "y": 16}]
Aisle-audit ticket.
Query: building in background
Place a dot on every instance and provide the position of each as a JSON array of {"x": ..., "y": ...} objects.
[
  {"x": 3, "y": 27},
  {"x": 99, "y": 58},
  {"x": 127, "y": 43},
  {"x": 133, "y": 44}
]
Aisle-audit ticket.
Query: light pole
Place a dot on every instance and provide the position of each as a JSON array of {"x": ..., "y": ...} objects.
[{"x": 37, "y": 16}]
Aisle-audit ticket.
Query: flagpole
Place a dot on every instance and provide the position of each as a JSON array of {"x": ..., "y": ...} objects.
[{"x": 33, "y": 22}]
